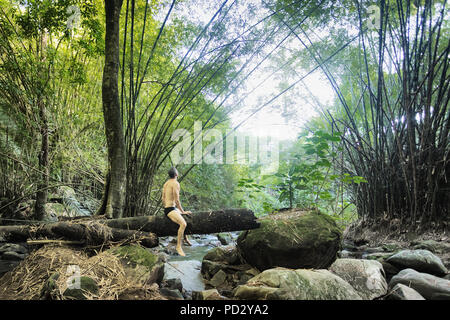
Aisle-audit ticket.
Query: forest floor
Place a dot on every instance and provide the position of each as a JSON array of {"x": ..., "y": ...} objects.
[{"x": 379, "y": 233}]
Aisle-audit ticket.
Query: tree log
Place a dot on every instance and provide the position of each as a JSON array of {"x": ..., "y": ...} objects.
[
  {"x": 198, "y": 223},
  {"x": 91, "y": 233},
  {"x": 147, "y": 229}
]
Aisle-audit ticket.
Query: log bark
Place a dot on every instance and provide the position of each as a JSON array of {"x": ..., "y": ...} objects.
[
  {"x": 90, "y": 233},
  {"x": 146, "y": 228},
  {"x": 199, "y": 223}
]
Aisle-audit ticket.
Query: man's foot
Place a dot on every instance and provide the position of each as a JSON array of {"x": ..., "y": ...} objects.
[
  {"x": 187, "y": 242},
  {"x": 180, "y": 252}
]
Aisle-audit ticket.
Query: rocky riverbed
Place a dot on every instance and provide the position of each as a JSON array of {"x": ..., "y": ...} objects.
[{"x": 295, "y": 255}]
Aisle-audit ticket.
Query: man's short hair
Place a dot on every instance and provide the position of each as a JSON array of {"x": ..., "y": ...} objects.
[{"x": 173, "y": 172}]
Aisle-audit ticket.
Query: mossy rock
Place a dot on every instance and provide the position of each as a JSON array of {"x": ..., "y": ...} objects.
[
  {"x": 294, "y": 240},
  {"x": 300, "y": 284},
  {"x": 87, "y": 286},
  {"x": 140, "y": 263},
  {"x": 49, "y": 289}
]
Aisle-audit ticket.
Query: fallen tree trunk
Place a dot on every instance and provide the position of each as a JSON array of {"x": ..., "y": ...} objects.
[
  {"x": 90, "y": 233},
  {"x": 135, "y": 228},
  {"x": 198, "y": 223}
]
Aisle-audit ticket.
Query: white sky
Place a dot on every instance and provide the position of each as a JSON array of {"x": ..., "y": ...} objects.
[{"x": 269, "y": 121}]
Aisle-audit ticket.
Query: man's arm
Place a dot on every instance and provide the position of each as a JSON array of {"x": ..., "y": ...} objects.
[
  {"x": 176, "y": 190},
  {"x": 176, "y": 196}
]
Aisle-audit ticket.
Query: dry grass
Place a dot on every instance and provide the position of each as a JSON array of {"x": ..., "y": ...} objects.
[{"x": 25, "y": 282}]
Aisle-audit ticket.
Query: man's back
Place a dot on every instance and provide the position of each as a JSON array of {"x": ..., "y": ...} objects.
[{"x": 169, "y": 193}]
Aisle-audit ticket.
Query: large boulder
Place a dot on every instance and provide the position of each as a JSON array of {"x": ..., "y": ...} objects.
[
  {"x": 419, "y": 260},
  {"x": 294, "y": 240},
  {"x": 402, "y": 292},
  {"x": 429, "y": 286},
  {"x": 300, "y": 284},
  {"x": 365, "y": 276},
  {"x": 140, "y": 264}
]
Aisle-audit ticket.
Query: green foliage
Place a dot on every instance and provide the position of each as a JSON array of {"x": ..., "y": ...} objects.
[{"x": 307, "y": 176}]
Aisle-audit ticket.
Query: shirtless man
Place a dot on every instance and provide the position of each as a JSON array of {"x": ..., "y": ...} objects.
[{"x": 172, "y": 206}]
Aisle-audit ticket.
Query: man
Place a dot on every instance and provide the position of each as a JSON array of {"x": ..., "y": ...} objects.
[{"x": 172, "y": 206}]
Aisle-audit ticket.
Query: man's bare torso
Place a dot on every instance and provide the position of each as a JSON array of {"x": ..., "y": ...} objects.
[{"x": 169, "y": 193}]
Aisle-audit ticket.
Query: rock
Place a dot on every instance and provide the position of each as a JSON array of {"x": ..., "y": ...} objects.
[
  {"x": 379, "y": 256},
  {"x": 402, "y": 292},
  {"x": 374, "y": 250},
  {"x": 219, "y": 278},
  {"x": 293, "y": 240},
  {"x": 7, "y": 265},
  {"x": 346, "y": 254},
  {"x": 365, "y": 276},
  {"x": 210, "y": 268},
  {"x": 49, "y": 290},
  {"x": 348, "y": 245},
  {"x": 171, "y": 294},
  {"x": 12, "y": 255},
  {"x": 228, "y": 255},
  {"x": 140, "y": 263},
  {"x": 419, "y": 260},
  {"x": 173, "y": 284},
  {"x": 389, "y": 270},
  {"x": 427, "y": 285},
  {"x": 390, "y": 247},
  {"x": 224, "y": 238},
  {"x": 211, "y": 294},
  {"x": 301, "y": 284},
  {"x": 432, "y": 245},
  {"x": 13, "y": 247},
  {"x": 87, "y": 287}
]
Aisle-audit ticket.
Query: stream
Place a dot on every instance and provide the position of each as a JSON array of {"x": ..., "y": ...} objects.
[{"x": 187, "y": 268}]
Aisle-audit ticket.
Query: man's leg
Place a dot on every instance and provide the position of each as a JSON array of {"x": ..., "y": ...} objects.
[{"x": 176, "y": 217}]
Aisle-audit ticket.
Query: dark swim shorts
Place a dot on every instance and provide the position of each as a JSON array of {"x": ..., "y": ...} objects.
[{"x": 168, "y": 209}]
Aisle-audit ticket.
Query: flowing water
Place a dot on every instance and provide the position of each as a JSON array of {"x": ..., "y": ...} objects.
[{"x": 187, "y": 268}]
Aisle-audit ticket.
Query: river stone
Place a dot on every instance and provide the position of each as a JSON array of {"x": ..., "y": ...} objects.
[
  {"x": 429, "y": 286},
  {"x": 12, "y": 255},
  {"x": 293, "y": 240},
  {"x": 223, "y": 254},
  {"x": 171, "y": 294},
  {"x": 301, "y": 284},
  {"x": 419, "y": 260},
  {"x": 365, "y": 276},
  {"x": 432, "y": 245},
  {"x": 12, "y": 247},
  {"x": 219, "y": 278},
  {"x": 141, "y": 264},
  {"x": 50, "y": 288},
  {"x": 402, "y": 292},
  {"x": 7, "y": 265},
  {"x": 380, "y": 256},
  {"x": 211, "y": 294}
]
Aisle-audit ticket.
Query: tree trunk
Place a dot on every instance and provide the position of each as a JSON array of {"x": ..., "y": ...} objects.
[
  {"x": 42, "y": 192},
  {"x": 91, "y": 233},
  {"x": 199, "y": 223},
  {"x": 115, "y": 197}
]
